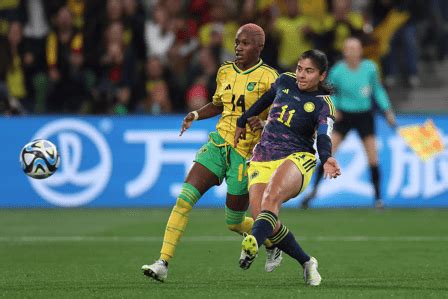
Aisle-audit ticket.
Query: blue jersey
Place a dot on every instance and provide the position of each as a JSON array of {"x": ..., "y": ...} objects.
[{"x": 295, "y": 119}]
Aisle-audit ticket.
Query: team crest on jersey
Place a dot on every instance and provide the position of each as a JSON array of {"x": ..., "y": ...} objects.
[
  {"x": 308, "y": 107},
  {"x": 251, "y": 86},
  {"x": 202, "y": 150},
  {"x": 254, "y": 174}
]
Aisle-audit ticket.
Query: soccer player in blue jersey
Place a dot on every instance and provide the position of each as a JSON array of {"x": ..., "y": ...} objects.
[
  {"x": 355, "y": 81},
  {"x": 284, "y": 159}
]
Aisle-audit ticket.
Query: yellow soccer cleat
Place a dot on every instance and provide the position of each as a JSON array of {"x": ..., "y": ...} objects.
[{"x": 249, "y": 251}]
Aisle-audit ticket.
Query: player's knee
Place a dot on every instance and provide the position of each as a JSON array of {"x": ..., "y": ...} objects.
[
  {"x": 270, "y": 198},
  {"x": 188, "y": 197}
]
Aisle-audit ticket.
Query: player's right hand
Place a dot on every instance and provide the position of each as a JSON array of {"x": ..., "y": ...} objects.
[
  {"x": 331, "y": 168},
  {"x": 390, "y": 117},
  {"x": 255, "y": 123},
  {"x": 188, "y": 120},
  {"x": 240, "y": 133}
]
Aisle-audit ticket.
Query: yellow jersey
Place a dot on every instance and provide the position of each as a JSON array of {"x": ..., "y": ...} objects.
[{"x": 236, "y": 91}]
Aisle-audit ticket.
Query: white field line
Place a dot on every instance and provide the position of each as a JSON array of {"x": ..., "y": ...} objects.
[{"x": 218, "y": 239}]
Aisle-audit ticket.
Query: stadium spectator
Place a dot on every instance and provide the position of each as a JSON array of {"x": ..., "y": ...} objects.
[
  {"x": 294, "y": 30},
  {"x": 134, "y": 28},
  {"x": 158, "y": 34},
  {"x": 157, "y": 91},
  {"x": 240, "y": 84},
  {"x": 283, "y": 161},
  {"x": 69, "y": 84},
  {"x": 175, "y": 30},
  {"x": 116, "y": 80},
  {"x": 17, "y": 62},
  {"x": 77, "y": 8},
  {"x": 10, "y": 11},
  {"x": 337, "y": 26},
  {"x": 197, "y": 97},
  {"x": 356, "y": 82},
  {"x": 202, "y": 72},
  {"x": 219, "y": 32},
  {"x": 403, "y": 55},
  {"x": 100, "y": 14}
]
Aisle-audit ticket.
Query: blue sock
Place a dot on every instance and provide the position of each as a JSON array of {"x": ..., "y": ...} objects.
[
  {"x": 286, "y": 242},
  {"x": 264, "y": 226}
]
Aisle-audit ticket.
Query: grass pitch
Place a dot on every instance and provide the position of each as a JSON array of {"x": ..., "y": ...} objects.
[{"x": 98, "y": 253}]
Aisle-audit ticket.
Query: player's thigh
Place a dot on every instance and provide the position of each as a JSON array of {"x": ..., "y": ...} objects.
[
  {"x": 298, "y": 171},
  {"x": 285, "y": 183},
  {"x": 255, "y": 196},
  {"x": 236, "y": 173},
  {"x": 369, "y": 143},
  {"x": 208, "y": 169},
  {"x": 201, "y": 178}
]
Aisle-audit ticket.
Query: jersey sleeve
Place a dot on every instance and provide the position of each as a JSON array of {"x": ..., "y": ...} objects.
[
  {"x": 325, "y": 128},
  {"x": 217, "y": 96},
  {"x": 379, "y": 93},
  {"x": 326, "y": 116}
]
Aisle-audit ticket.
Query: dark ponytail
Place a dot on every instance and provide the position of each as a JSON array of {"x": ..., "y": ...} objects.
[{"x": 320, "y": 59}]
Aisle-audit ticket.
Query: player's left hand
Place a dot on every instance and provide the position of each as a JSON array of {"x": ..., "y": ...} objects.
[
  {"x": 331, "y": 168},
  {"x": 255, "y": 123},
  {"x": 240, "y": 133}
]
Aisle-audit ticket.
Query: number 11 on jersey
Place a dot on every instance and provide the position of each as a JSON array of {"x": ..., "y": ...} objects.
[{"x": 282, "y": 114}]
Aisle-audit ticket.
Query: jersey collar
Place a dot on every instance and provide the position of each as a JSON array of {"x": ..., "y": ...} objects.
[{"x": 259, "y": 63}]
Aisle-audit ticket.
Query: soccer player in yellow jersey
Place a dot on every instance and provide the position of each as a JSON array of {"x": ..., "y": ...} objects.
[{"x": 239, "y": 85}]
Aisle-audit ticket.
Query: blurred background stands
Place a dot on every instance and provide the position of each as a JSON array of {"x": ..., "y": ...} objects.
[{"x": 159, "y": 57}]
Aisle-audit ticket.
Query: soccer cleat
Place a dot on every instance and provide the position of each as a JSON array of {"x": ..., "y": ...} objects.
[
  {"x": 249, "y": 251},
  {"x": 157, "y": 271},
  {"x": 310, "y": 274},
  {"x": 273, "y": 259},
  {"x": 379, "y": 204}
]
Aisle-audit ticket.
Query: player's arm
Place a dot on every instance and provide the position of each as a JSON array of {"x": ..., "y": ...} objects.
[
  {"x": 382, "y": 98},
  {"x": 258, "y": 107},
  {"x": 324, "y": 130},
  {"x": 207, "y": 111}
]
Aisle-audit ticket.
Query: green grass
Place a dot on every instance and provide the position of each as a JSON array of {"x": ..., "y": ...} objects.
[{"x": 98, "y": 253}]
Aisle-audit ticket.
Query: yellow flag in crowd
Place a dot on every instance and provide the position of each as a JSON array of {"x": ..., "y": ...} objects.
[{"x": 424, "y": 140}]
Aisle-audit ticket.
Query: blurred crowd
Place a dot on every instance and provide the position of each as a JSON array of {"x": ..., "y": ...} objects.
[{"x": 157, "y": 57}]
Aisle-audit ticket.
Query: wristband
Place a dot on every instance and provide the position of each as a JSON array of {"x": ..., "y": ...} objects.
[{"x": 196, "y": 114}]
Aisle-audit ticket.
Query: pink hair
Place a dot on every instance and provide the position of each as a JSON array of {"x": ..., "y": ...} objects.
[{"x": 254, "y": 29}]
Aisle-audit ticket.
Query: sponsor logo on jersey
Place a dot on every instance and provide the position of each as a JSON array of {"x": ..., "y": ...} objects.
[
  {"x": 286, "y": 90},
  {"x": 228, "y": 87}
]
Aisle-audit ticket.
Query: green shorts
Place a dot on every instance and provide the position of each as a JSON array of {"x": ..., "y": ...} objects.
[{"x": 225, "y": 162}]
